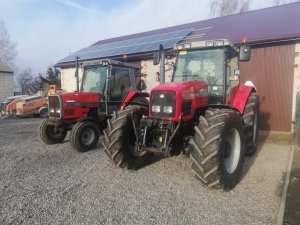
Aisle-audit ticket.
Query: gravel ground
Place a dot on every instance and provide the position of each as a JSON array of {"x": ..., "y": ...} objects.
[{"x": 42, "y": 184}]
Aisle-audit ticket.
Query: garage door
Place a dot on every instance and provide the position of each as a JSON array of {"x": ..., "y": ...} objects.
[{"x": 271, "y": 70}]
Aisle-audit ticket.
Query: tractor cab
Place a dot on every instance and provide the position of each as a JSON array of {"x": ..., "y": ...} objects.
[
  {"x": 112, "y": 80},
  {"x": 215, "y": 62}
]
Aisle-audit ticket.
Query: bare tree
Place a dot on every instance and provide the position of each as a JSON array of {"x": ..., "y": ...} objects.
[
  {"x": 28, "y": 83},
  {"x": 8, "y": 50},
  {"x": 228, "y": 7}
]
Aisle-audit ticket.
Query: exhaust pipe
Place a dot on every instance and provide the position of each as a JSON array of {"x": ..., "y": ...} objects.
[
  {"x": 77, "y": 74},
  {"x": 162, "y": 64}
]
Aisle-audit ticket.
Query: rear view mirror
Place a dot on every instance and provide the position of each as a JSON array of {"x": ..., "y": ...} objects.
[
  {"x": 156, "y": 58},
  {"x": 141, "y": 86},
  {"x": 244, "y": 53}
]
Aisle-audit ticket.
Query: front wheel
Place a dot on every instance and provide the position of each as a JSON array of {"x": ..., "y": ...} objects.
[
  {"x": 51, "y": 134},
  {"x": 85, "y": 136},
  {"x": 217, "y": 149},
  {"x": 120, "y": 138}
]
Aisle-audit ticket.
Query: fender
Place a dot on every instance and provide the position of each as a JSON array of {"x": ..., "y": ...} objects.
[
  {"x": 238, "y": 96},
  {"x": 40, "y": 109},
  {"x": 132, "y": 94}
]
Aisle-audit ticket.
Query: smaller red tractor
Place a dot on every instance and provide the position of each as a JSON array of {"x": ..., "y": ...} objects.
[
  {"x": 106, "y": 86},
  {"x": 204, "y": 112}
]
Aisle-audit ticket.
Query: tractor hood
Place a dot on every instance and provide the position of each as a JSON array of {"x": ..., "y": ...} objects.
[
  {"x": 182, "y": 99},
  {"x": 77, "y": 98},
  {"x": 183, "y": 87}
]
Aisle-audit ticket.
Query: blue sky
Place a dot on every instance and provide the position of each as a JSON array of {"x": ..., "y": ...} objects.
[{"x": 47, "y": 30}]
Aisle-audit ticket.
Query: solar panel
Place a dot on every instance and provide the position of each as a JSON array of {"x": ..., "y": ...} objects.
[{"x": 135, "y": 45}]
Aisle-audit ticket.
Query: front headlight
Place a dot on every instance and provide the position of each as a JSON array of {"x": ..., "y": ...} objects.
[
  {"x": 168, "y": 109},
  {"x": 51, "y": 110},
  {"x": 156, "y": 108}
]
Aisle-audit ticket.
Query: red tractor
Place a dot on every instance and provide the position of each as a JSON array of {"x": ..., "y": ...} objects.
[
  {"x": 204, "y": 112},
  {"x": 106, "y": 85}
]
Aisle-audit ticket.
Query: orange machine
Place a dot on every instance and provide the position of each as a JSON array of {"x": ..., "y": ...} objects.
[
  {"x": 8, "y": 106},
  {"x": 32, "y": 106}
]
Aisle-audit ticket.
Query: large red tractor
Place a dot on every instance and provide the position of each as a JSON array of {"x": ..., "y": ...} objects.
[
  {"x": 204, "y": 112},
  {"x": 106, "y": 85}
]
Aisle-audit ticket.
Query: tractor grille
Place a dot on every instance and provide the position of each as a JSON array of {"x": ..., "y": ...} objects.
[
  {"x": 186, "y": 108},
  {"x": 161, "y": 103},
  {"x": 55, "y": 108}
]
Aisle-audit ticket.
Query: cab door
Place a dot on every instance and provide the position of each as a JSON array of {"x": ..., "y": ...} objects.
[{"x": 119, "y": 85}]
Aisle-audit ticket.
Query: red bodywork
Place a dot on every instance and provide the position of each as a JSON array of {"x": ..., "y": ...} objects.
[
  {"x": 132, "y": 94},
  {"x": 78, "y": 104},
  {"x": 194, "y": 91},
  {"x": 238, "y": 97}
]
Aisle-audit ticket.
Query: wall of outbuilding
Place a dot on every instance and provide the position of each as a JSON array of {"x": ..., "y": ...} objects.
[
  {"x": 6, "y": 85},
  {"x": 296, "y": 86},
  {"x": 68, "y": 80}
]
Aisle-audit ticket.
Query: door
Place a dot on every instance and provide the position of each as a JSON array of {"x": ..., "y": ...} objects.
[{"x": 271, "y": 69}]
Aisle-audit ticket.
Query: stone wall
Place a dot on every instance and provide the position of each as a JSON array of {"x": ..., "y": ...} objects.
[
  {"x": 6, "y": 85},
  {"x": 151, "y": 71}
]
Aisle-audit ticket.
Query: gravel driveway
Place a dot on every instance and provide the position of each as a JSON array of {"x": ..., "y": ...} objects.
[{"x": 42, "y": 184}]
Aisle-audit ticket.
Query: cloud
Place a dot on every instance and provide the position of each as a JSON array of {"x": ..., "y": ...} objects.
[
  {"x": 76, "y": 5},
  {"x": 47, "y": 31}
]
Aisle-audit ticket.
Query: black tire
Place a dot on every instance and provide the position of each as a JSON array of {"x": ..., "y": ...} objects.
[
  {"x": 84, "y": 136},
  {"x": 49, "y": 135},
  {"x": 44, "y": 113},
  {"x": 210, "y": 148},
  {"x": 119, "y": 138},
  {"x": 251, "y": 117}
]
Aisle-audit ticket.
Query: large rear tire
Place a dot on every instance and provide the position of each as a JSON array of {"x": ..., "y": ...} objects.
[
  {"x": 251, "y": 116},
  {"x": 85, "y": 136},
  {"x": 217, "y": 148},
  {"x": 119, "y": 139},
  {"x": 51, "y": 135}
]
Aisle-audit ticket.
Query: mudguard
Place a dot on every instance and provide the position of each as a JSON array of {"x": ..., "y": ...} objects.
[
  {"x": 132, "y": 94},
  {"x": 238, "y": 96}
]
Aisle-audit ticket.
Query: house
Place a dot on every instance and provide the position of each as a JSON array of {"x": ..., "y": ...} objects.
[
  {"x": 6, "y": 81},
  {"x": 274, "y": 68}
]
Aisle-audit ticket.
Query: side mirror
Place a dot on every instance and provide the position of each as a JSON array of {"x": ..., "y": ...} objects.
[
  {"x": 156, "y": 58},
  {"x": 141, "y": 86},
  {"x": 245, "y": 53}
]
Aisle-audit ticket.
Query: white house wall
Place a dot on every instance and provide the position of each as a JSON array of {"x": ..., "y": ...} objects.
[
  {"x": 68, "y": 80},
  {"x": 6, "y": 85},
  {"x": 151, "y": 71}
]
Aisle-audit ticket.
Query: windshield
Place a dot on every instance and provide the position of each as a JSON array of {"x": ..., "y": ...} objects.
[
  {"x": 94, "y": 79},
  {"x": 204, "y": 65}
]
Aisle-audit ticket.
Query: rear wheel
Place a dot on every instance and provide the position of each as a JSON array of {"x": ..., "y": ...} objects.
[
  {"x": 85, "y": 136},
  {"x": 51, "y": 134},
  {"x": 119, "y": 139},
  {"x": 250, "y": 116},
  {"x": 217, "y": 149}
]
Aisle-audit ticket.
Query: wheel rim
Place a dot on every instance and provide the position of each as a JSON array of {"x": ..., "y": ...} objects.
[
  {"x": 232, "y": 150},
  {"x": 51, "y": 132},
  {"x": 88, "y": 136}
]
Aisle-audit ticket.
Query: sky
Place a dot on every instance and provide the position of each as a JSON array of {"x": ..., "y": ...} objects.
[{"x": 46, "y": 31}]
